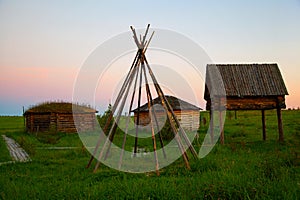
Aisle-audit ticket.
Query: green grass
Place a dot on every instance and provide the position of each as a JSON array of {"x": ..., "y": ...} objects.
[
  {"x": 244, "y": 168},
  {"x": 4, "y": 155}
]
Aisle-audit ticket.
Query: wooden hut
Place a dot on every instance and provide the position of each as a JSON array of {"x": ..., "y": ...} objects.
[
  {"x": 246, "y": 87},
  {"x": 59, "y": 116},
  {"x": 188, "y": 114}
]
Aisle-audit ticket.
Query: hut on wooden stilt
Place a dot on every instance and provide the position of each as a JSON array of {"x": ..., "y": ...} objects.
[{"x": 247, "y": 87}]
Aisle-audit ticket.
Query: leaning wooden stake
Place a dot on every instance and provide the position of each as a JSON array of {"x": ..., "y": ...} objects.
[
  {"x": 112, "y": 111},
  {"x": 110, "y": 136},
  {"x": 170, "y": 109},
  {"x": 153, "y": 110},
  {"x": 170, "y": 114},
  {"x": 128, "y": 119},
  {"x": 152, "y": 128}
]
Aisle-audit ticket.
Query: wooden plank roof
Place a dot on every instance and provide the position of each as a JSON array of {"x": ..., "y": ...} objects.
[
  {"x": 59, "y": 107},
  {"x": 175, "y": 103},
  {"x": 241, "y": 80}
]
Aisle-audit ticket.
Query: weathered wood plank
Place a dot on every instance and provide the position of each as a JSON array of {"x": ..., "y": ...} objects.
[{"x": 17, "y": 153}]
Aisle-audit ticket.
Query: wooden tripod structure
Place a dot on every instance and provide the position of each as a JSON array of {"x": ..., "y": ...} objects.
[{"x": 137, "y": 72}]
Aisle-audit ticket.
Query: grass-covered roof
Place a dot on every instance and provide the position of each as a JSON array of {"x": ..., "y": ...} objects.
[{"x": 60, "y": 107}]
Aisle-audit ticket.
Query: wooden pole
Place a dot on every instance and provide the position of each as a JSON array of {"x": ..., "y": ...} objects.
[
  {"x": 138, "y": 114},
  {"x": 128, "y": 118},
  {"x": 170, "y": 115},
  {"x": 154, "y": 112},
  {"x": 280, "y": 128},
  {"x": 151, "y": 120},
  {"x": 221, "y": 127},
  {"x": 112, "y": 131},
  {"x": 135, "y": 62},
  {"x": 211, "y": 126},
  {"x": 186, "y": 139},
  {"x": 145, "y": 35},
  {"x": 24, "y": 118},
  {"x": 176, "y": 135},
  {"x": 263, "y": 120},
  {"x": 159, "y": 91}
]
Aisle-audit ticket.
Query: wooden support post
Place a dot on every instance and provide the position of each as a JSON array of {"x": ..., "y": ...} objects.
[
  {"x": 235, "y": 114},
  {"x": 221, "y": 127},
  {"x": 280, "y": 128},
  {"x": 263, "y": 120},
  {"x": 211, "y": 126}
]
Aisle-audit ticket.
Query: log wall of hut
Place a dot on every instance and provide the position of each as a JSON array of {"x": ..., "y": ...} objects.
[
  {"x": 85, "y": 121},
  {"x": 61, "y": 122},
  {"x": 189, "y": 119},
  {"x": 40, "y": 122}
]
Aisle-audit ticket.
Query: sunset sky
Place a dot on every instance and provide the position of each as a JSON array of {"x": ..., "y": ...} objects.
[{"x": 43, "y": 44}]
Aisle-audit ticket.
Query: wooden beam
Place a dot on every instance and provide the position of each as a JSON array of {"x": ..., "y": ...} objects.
[
  {"x": 154, "y": 112},
  {"x": 112, "y": 131},
  {"x": 181, "y": 130},
  {"x": 145, "y": 35},
  {"x": 128, "y": 119},
  {"x": 221, "y": 127},
  {"x": 148, "y": 42},
  {"x": 280, "y": 128},
  {"x": 149, "y": 99},
  {"x": 136, "y": 38},
  {"x": 211, "y": 126},
  {"x": 263, "y": 120},
  {"x": 115, "y": 105},
  {"x": 138, "y": 114},
  {"x": 171, "y": 117}
]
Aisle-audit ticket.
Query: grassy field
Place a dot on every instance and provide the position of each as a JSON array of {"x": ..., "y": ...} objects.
[{"x": 244, "y": 168}]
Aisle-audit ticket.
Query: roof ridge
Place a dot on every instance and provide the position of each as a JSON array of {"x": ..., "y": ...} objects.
[{"x": 174, "y": 105}]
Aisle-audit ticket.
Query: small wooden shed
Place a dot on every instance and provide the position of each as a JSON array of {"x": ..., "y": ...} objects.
[
  {"x": 246, "y": 87},
  {"x": 59, "y": 116},
  {"x": 187, "y": 113}
]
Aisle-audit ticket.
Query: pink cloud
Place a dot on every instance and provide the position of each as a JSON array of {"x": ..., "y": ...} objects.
[{"x": 37, "y": 83}]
